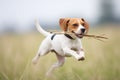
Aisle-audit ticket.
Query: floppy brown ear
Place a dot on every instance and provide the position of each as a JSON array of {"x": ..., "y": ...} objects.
[
  {"x": 64, "y": 23},
  {"x": 86, "y": 25}
]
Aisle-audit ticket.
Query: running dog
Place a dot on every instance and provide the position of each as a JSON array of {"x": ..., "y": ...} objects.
[{"x": 64, "y": 45}]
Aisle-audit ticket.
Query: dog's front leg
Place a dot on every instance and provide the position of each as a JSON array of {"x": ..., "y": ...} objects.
[
  {"x": 72, "y": 53},
  {"x": 81, "y": 53}
]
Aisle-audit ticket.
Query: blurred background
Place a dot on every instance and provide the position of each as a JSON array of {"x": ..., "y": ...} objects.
[
  {"x": 19, "y": 16},
  {"x": 19, "y": 39}
]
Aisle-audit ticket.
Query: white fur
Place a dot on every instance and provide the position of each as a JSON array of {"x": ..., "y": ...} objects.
[
  {"x": 62, "y": 45},
  {"x": 78, "y": 31}
]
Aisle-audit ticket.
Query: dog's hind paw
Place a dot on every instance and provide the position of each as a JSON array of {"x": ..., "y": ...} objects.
[{"x": 34, "y": 61}]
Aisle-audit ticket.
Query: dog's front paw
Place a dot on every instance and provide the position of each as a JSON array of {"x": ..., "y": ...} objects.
[
  {"x": 82, "y": 56},
  {"x": 78, "y": 58},
  {"x": 81, "y": 59}
]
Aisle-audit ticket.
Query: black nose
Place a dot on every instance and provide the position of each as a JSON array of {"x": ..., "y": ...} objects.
[{"x": 83, "y": 30}]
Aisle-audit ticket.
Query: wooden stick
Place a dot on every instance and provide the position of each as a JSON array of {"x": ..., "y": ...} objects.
[
  {"x": 95, "y": 36},
  {"x": 86, "y": 35}
]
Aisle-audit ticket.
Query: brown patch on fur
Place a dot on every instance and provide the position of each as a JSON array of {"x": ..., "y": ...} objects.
[
  {"x": 85, "y": 24},
  {"x": 72, "y": 24},
  {"x": 82, "y": 19},
  {"x": 64, "y": 23}
]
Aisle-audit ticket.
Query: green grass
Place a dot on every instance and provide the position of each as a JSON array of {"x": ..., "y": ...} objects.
[{"x": 102, "y": 58}]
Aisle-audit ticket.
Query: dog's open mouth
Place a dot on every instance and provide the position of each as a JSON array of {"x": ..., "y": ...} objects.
[{"x": 80, "y": 35}]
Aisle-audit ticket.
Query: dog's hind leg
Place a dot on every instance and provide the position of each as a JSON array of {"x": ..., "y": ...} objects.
[
  {"x": 43, "y": 50},
  {"x": 60, "y": 62}
]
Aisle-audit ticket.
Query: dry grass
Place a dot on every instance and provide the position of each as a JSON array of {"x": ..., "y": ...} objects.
[{"x": 102, "y": 59}]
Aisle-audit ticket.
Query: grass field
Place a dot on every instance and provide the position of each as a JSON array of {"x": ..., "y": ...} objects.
[{"x": 102, "y": 58}]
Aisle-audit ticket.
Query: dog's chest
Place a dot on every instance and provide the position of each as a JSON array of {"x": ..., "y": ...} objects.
[
  {"x": 60, "y": 42},
  {"x": 74, "y": 45}
]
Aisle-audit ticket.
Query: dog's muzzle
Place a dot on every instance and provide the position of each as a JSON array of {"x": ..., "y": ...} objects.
[
  {"x": 83, "y": 30},
  {"x": 81, "y": 34}
]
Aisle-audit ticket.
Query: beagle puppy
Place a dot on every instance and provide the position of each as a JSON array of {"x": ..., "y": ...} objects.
[{"x": 63, "y": 45}]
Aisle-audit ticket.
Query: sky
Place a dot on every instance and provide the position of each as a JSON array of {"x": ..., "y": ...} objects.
[{"x": 24, "y": 12}]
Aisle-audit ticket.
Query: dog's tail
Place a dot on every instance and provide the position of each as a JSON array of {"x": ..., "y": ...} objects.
[{"x": 39, "y": 28}]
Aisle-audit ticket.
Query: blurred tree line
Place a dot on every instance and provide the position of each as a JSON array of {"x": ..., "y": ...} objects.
[{"x": 107, "y": 12}]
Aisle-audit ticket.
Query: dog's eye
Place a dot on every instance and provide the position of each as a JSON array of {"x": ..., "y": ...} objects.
[
  {"x": 75, "y": 25},
  {"x": 83, "y": 24}
]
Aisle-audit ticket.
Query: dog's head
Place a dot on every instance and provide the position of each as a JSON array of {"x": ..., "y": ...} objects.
[{"x": 78, "y": 26}]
